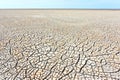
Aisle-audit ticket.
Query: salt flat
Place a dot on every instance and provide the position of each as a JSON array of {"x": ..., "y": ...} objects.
[{"x": 59, "y": 44}]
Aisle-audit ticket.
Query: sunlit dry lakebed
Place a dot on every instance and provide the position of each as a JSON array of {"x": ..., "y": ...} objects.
[{"x": 59, "y": 44}]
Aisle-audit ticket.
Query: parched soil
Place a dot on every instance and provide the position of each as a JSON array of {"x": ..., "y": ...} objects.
[{"x": 59, "y": 45}]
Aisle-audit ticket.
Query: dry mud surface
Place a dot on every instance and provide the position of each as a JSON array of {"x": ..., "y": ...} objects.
[{"x": 59, "y": 45}]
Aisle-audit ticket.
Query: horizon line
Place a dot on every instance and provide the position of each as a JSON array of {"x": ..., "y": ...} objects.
[{"x": 59, "y": 8}]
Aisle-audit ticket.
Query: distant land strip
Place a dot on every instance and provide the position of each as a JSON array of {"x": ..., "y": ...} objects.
[{"x": 56, "y": 9}]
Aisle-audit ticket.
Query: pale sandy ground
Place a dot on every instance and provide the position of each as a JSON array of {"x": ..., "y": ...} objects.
[{"x": 59, "y": 45}]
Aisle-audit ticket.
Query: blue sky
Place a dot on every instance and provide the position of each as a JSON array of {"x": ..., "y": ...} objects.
[{"x": 114, "y": 4}]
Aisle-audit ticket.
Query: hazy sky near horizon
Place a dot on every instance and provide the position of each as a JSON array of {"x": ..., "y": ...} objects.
[{"x": 112, "y": 4}]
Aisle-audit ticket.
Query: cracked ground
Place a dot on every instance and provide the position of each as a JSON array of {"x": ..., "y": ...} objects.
[{"x": 59, "y": 45}]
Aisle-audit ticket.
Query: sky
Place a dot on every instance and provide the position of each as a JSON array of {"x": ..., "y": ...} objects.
[{"x": 89, "y": 4}]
